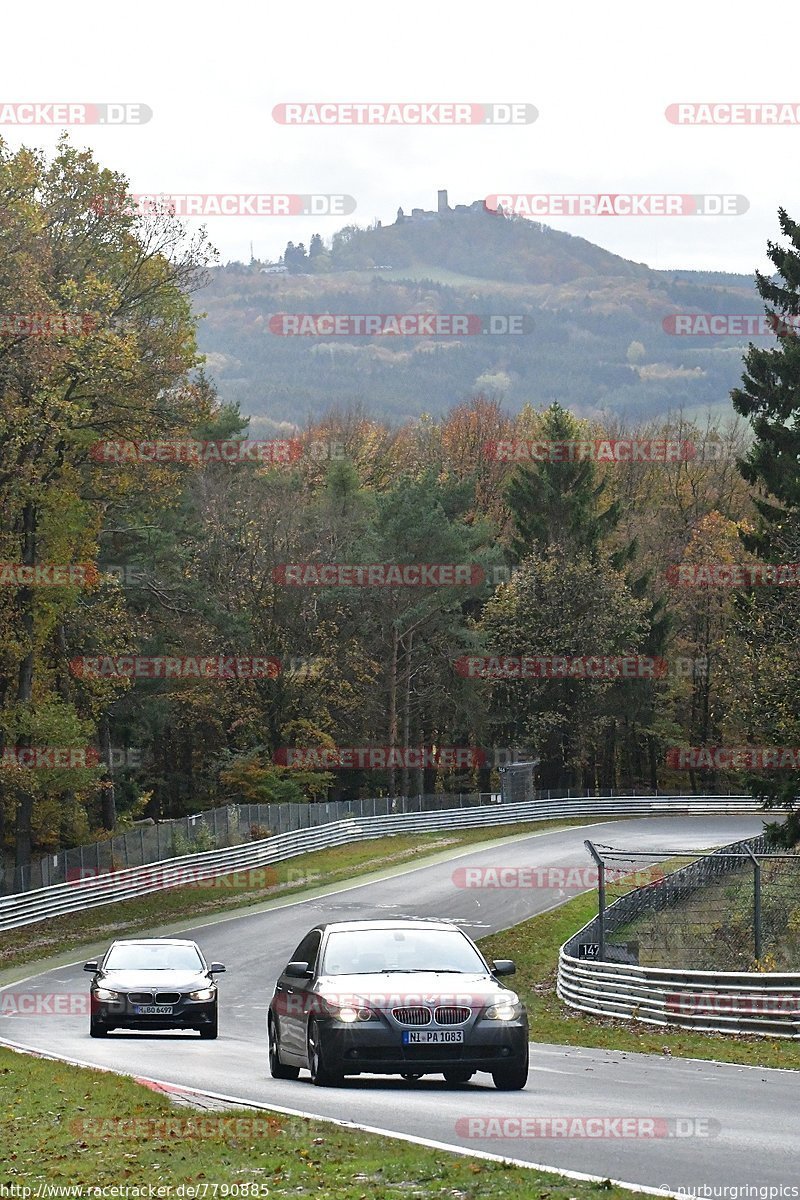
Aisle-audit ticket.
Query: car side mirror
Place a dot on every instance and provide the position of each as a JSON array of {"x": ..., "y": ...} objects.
[
  {"x": 504, "y": 966},
  {"x": 216, "y": 968},
  {"x": 298, "y": 970},
  {"x": 91, "y": 966}
]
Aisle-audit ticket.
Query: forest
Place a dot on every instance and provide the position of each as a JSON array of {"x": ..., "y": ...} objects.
[{"x": 192, "y": 614}]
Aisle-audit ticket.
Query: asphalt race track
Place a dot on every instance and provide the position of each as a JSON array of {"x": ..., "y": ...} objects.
[{"x": 755, "y": 1137}]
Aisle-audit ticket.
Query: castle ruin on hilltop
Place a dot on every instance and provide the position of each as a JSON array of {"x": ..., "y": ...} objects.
[{"x": 443, "y": 209}]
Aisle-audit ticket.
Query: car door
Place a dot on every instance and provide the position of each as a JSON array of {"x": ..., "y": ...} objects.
[{"x": 292, "y": 998}]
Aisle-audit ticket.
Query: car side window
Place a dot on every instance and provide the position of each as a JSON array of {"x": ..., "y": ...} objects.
[{"x": 308, "y": 949}]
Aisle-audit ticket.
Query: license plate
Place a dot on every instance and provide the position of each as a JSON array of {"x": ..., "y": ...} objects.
[
  {"x": 153, "y": 1010},
  {"x": 432, "y": 1037}
]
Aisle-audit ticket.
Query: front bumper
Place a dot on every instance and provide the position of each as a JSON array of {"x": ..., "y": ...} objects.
[
  {"x": 186, "y": 1014},
  {"x": 372, "y": 1047}
]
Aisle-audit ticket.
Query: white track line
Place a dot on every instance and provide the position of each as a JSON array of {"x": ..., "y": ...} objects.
[{"x": 372, "y": 1129}]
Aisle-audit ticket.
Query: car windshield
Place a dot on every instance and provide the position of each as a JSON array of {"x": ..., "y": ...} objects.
[
  {"x": 370, "y": 951},
  {"x": 143, "y": 957}
]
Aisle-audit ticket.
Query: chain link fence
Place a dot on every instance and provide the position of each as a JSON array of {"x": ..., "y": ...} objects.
[
  {"x": 150, "y": 842},
  {"x": 737, "y": 909}
]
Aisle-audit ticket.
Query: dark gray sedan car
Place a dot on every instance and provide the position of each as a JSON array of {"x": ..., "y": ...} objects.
[
  {"x": 407, "y": 998},
  {"x": 153, "y": 983}
]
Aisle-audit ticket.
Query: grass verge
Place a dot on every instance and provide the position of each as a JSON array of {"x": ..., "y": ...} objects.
[
  {"x": 534, "y": 946},
  {"x": 58, "y": 935},
  {"x": 65, "y": 1125}
]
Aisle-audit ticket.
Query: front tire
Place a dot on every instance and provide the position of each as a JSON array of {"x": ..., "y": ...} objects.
[
  {"x": 277, "y": 1069},
  {"x": 209, "y": 1032},
  {"x": 321, "y": 1075},
  {"x": 457, "y": 1075},
  {"x": 96, "y": 1028},
  {"x": 513, "y": 1077}
]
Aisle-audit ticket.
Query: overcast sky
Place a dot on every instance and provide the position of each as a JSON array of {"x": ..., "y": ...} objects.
[{"x": 600, "y": 76}]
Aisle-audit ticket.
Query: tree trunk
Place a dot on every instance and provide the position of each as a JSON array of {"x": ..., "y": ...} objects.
[
  {"x": 24, "y": 807},
  {"x": 393, "y": 705},
  {"x": 107, "y": 795},
  {"x": 407, "y": 713}
]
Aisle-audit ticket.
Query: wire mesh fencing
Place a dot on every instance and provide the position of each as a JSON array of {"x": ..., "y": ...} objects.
[{"x": 736, "y": 909}]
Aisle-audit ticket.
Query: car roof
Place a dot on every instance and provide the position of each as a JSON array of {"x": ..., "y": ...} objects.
[
  {"x": 383, "y": 923},
  {"x": 153, "y": 942}
]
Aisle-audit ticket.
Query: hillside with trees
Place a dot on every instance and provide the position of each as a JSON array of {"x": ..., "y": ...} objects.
[
  {"x": 188, "y": 558},
  {"x": 597, "y": 342}
]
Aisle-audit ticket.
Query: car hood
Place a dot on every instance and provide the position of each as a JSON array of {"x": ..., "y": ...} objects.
[
  {"x": 398, "y": 989},
  {"x": 161, "y": 981}
]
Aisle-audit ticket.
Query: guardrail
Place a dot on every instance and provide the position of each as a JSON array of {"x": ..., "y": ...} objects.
[
  {"x": 233, "y": 824},
  {"x": 766, "y": 1003},
  {"x": 26, "y": 908}
]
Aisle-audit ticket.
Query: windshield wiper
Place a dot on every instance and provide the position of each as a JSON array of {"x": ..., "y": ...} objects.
[{"x": 415, "y": 971}]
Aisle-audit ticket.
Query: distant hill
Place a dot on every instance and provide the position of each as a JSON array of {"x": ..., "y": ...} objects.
[{"x": 587, "y": 306}]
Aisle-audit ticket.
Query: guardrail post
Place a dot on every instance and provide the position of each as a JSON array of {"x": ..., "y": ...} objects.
[
  {"x": 756, "y": 902},
  {"x": 601, "y": 899}
]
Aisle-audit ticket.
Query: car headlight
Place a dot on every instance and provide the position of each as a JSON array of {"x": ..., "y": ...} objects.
[
  {"x": 506, "y": 1009},
  {"x": 349, "y": 1013},
  {"x": 203, "y": 994},
  {"x": 106, "y": 994}
]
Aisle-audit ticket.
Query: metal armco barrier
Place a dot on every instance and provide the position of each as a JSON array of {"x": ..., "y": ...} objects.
[
  {"x": 25, "y": 908},
  {"x": 766, "y": 1003}
]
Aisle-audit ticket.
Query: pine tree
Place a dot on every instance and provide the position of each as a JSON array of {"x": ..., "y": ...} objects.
[
  {"x": 770, "y": 398},
  {"x": 554, "y": 501},
  {"x": 770, "y": 395}
]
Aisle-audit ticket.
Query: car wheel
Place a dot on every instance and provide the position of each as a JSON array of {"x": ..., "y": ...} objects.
[
  {"x": 457, "y": 1075},
  {"x": 277, "y": 1069},
  {"x": 320, "y": 1074},
  {"x": 209, "y": 1032},
  {"x": 411, "y": 1076},
  {"x": 513, "y": 1077},
  {"x": 96, "y": 1028}
]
